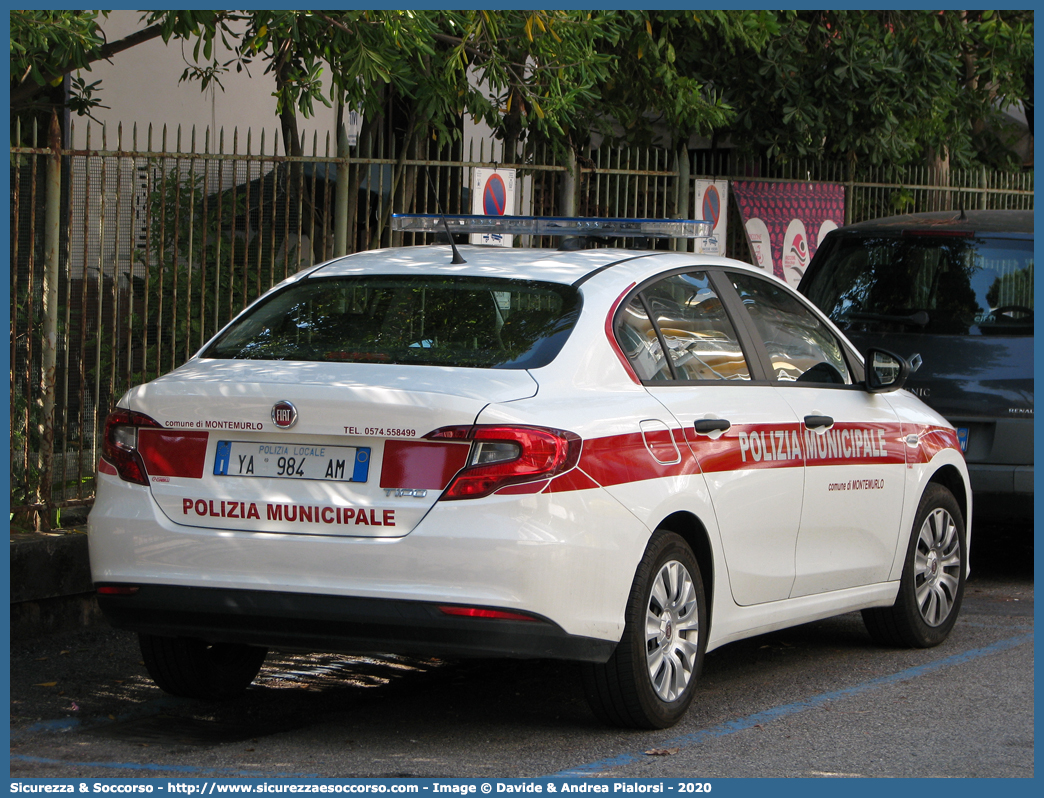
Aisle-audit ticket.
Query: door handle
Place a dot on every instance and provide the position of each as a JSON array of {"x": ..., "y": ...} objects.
[
  {"x": 815, "y": 422},
  {"x": 705, "y": 426}
]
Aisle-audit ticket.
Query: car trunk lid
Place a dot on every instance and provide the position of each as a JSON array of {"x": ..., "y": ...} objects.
[{"x": 309, "y": 448}]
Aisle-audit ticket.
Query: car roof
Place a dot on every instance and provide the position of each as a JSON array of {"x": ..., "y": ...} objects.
[
  {"x": 503, "y": 262},
  {"x": 557, "y": 266},
  {"x": 1007, "y": 221}
]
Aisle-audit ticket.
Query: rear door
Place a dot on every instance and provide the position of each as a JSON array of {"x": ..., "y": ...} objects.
[{"x": 740, "y": 429}]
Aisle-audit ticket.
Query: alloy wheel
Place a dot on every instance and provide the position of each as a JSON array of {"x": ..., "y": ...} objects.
[
  {"x": 672, "y": 630},
  {"x": 937, "y": 567}
]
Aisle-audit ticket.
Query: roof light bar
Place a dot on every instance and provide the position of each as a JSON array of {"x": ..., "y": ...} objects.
[{"x": 551, "y": 226}]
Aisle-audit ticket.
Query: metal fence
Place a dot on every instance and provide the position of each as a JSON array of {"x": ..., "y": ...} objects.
[{"x": 127, "y": 255}]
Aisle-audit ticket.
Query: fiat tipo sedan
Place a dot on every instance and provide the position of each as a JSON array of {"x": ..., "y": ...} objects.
[{"x": 625, "y": 458}]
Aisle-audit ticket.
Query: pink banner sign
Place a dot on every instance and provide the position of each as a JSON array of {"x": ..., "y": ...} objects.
[{"x": 786, "y": 221}]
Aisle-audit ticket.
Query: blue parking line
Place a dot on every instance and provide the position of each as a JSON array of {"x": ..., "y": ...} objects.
[
  {"x": 145, "y": 710},
  {"x": 185, "y": 770},
  {"x": 770, "y": 715}
]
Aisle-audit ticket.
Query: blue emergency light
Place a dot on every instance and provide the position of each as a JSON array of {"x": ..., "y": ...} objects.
[{"x": 551, "y": 226}]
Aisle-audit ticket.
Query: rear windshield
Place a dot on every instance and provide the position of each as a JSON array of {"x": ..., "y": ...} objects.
[
  {"x": 444, "y": 321},
  {"x": 930, "y": 284}
]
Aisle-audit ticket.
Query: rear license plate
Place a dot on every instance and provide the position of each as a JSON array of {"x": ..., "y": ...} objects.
[
  {"x": 292, "y": 461},
  {"x": 962, "y": 438}
]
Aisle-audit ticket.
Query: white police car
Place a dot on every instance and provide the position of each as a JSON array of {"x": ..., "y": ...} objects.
[{"x": 625, "y": 458}]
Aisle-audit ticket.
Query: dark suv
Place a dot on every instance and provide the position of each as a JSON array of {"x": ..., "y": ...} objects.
[{"x": 957, "y": 288}]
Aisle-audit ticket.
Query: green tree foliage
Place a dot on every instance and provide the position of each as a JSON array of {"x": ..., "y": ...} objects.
[
  {"x": 535, "y": 71},
  {"x": 667, "y": 75},
  {"x": 45, "y": 45},
  {"x": 874, "y": 86},
  {"x": 880, "y": 86}
]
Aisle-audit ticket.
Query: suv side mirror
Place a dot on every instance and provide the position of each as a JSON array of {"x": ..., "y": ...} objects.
[{"x": 885, "y": 371}]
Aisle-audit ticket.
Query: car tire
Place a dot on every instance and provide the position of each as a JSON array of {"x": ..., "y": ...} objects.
[
  {"x": 932, "y": 585},
  {"x": 649, "y": 681},
  {"x": 192, "y": 668}
]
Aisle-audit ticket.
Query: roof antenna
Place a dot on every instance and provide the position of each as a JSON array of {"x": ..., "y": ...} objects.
[
  {"x": 457, "y": 259},
  {"x": 960, "y": 206}
]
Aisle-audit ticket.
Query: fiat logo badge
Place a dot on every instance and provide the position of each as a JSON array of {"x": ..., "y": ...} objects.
[{"x": 284, "y": 414}]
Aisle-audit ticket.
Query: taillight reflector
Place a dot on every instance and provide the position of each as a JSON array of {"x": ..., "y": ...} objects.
[
  {"x": 478, "y": 612},
  {"x": 118, "y": 590},
  {"x": 173, "y": 453},
  {"x": 508, "y": 455},
  {"x": 428, "y": 465}
]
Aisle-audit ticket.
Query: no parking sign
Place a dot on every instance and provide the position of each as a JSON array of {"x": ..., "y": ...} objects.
[
  {"x": 711, "y": 205},
  {"x": 493, "y": 194}
]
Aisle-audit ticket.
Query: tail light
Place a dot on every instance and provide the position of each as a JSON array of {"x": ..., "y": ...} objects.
[
  {"x": 137, "y": 446},
  {"x": 508, "y": 455},
  {"x": 120, "y": 443}
]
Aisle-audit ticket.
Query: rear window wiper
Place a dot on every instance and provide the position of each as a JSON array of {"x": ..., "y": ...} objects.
[{"x": 918, "y": 319}]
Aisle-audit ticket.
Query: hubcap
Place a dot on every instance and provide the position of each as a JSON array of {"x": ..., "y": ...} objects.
[
  {"x": 671, "y": 631},
  {"x": 937, "y": 567}
]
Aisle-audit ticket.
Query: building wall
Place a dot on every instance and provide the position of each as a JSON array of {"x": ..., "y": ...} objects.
[{"x": 140, "y": 85}]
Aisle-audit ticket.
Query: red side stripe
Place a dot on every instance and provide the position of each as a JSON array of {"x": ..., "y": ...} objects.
[
  {"x": 931, "y": 441},
  {"x": 571, "y": 480},
  {"x": 617, "y": 459},
  {"x": 621, "y": 459}
]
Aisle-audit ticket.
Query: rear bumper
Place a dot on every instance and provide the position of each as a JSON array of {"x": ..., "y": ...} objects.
[
  {"x": 569, "y": 558},
  {"x": 342, "y": 624}
]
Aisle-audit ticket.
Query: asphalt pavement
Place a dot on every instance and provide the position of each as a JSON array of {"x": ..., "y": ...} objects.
[{"x": 819, "y": 700}]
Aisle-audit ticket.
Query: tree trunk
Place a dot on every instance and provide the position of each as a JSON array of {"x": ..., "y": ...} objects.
[
  {"x": 397, "y": 175},
  {"x": 939, "y": 175},
  {"x": 292, "y": 147}
]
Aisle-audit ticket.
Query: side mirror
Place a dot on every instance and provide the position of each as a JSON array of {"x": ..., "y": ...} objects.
[{"x": 885, "y": 371}]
